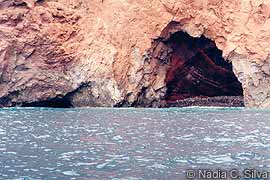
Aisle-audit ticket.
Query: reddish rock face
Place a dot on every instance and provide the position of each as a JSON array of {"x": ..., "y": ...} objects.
[
  {"x": 98, "y": 53},
  {"x": 197, "y": 69}
]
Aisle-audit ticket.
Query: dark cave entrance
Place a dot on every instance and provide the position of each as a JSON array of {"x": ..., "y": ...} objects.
[
  {"x": 198, "y": 70},
  {"x": 57, "y": 102},
  {"x": 65, "y": 101}
]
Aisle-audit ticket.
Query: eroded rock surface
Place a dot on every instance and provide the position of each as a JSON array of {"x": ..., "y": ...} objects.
[
  {"x": 109, "y": 53},
  {"x": 38, "y": 51}
]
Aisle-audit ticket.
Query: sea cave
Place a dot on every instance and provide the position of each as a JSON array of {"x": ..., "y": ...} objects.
[{"x": 198, "y": 74}]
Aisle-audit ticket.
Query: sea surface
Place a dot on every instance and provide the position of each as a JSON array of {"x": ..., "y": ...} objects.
[{"x": 130, "y": 144}]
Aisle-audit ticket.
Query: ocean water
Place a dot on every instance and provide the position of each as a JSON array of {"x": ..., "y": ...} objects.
[{"x": 130, "y": 144}]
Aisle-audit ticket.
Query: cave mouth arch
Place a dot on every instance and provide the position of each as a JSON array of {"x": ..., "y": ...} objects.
[{"x": 196, "y": 69}]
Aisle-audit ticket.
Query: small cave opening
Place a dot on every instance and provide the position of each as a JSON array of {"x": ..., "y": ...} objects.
[
  {"x": 60, "y": 101},
  {"x": 57, "y": 102},
  {"x": 199, "y": 75}
]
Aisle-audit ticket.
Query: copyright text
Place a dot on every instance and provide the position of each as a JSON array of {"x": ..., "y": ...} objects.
[{"x": 227, "y": 174}]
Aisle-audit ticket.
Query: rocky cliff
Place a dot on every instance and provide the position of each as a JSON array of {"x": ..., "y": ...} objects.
[{"x": 120, "y": 53}]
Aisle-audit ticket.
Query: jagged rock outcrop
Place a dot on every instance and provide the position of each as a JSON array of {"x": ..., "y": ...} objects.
[{"x": 110, "y": 52}]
